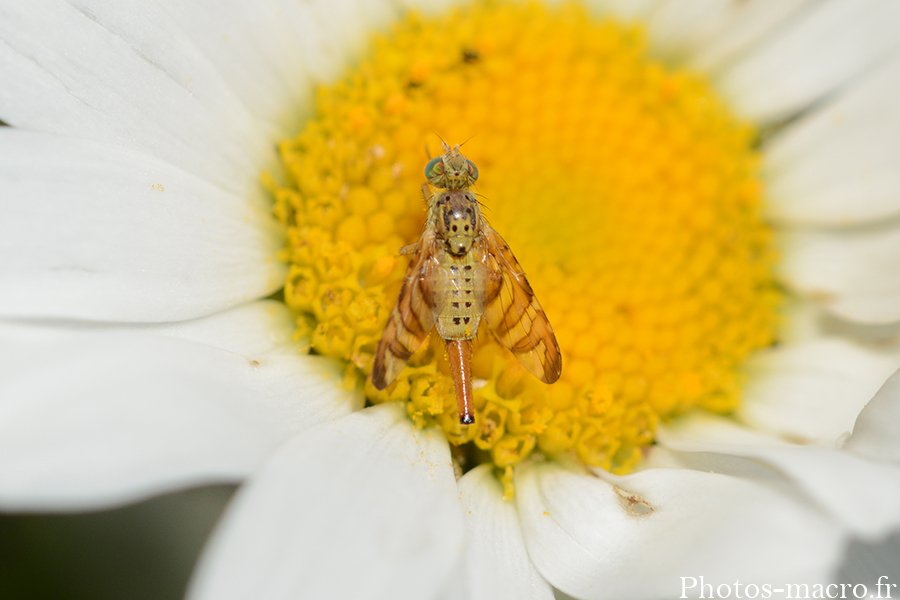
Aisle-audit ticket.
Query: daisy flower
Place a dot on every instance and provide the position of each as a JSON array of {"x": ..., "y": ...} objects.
[{"x": 702, "y": 194}]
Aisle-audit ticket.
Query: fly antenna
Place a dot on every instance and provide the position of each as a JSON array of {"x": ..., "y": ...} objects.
[
  {"x": 470, "y": 137},
  {"x": 444, "y": 144}
]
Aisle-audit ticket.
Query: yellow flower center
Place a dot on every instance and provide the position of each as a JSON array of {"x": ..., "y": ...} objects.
[{"x": 627, "y": 191}]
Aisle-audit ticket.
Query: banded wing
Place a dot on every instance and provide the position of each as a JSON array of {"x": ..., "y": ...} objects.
[
  {"x": 514, "y": 314},
  {"x": 412, "y": 318}
]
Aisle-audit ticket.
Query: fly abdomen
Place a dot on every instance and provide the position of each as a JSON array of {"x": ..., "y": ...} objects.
[{"x": 459, "y": 314}]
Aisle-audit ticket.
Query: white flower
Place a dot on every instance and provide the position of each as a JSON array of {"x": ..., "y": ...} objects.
[{"x": 138, "y": 356}]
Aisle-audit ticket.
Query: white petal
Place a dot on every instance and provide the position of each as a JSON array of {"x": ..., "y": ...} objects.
[
  {"x": 497, "y": 564},
  {"x": 261, "y": 327},
  {"x": 744, "y": 23},
  {"x": 812, "y": 56},
  {"x": 624, "y": 10},
  {"x": 863, "y": 495},
  {"x": 877, "y": 430},
  {"x": 100, "y": 232},
  {"x": 852, "y": 272},
  {"x": 803, "y": 321},
  {"x": 271, "y": 54},
  {"x": 377, "y": 15},
  {"x": 365, "y": 507},
  {"x": 324, "y": 50},
  {"x": 806, "y": 320},
  {"x": 125, "y": 73},
  {"x": 587, "y": 538},
  {"x": 716, "y": 28},
  {"x": 662, "y": 457},
  {"x": 675, "y": 27},
  {"x": 95, "y": 418},
  {"x": 430, "y": 7},
  {"x": 333, "y": 33},
  {"x": 838, "y": 165},
  {"x": 812, "y": 392},
  {"x": 257, "y": 53}
]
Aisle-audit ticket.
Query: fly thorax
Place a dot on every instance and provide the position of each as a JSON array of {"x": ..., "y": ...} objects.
[{"x": 457, "y": 221}]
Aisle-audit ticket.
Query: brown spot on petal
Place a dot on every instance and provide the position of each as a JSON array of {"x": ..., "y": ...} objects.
[{"x": 633, "y": 504}]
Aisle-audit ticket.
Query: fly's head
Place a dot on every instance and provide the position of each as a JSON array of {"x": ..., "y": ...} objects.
[{"x": 451, "y": 170}]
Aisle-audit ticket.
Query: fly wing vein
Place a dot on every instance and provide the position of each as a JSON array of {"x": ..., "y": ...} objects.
[
  {"x": 514, "y": 314},
  {"x": 412, "y": 318}
]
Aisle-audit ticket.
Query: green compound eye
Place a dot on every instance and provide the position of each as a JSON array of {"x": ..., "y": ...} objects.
[
  {"x": 473, "y": 170},
  {"x": 434, "y": 167}
]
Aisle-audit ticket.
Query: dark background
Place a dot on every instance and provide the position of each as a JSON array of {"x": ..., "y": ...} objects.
[{"x": 142, "y": 551}]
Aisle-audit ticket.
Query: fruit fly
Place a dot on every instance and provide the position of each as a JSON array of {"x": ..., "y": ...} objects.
[{"x": 462, "y": 270}]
